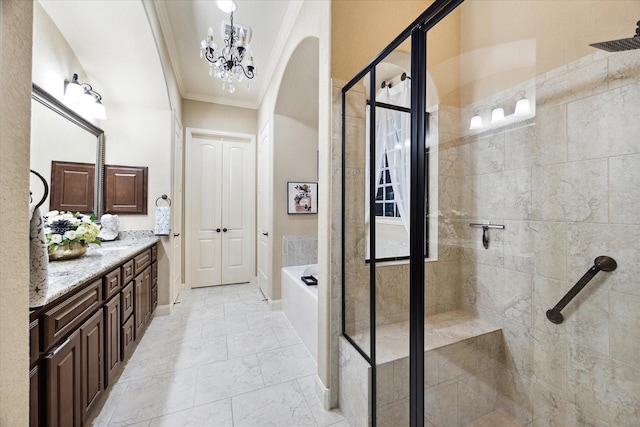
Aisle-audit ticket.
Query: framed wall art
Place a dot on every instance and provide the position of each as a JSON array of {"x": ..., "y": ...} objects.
[{"x": 302, "y": 197}]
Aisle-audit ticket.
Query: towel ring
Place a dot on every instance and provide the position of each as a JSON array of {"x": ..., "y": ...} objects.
[
  {"x": 163, "y": 197},
  {"x": 46, "y": 187}
]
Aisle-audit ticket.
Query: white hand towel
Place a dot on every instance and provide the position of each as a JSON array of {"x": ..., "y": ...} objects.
[
  {"x": 39, "y": 259},
  {"x": 163, "y": 221}
]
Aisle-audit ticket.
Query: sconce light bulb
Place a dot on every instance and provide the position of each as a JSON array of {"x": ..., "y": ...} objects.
[
  {"x": 497, "y": 115},
  {"x": 522, "y": 107},
  {"x": 476, "y": 122}
]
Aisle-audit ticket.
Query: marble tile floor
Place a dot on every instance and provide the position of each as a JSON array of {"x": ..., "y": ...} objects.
[{"x": 222, "y": 359}]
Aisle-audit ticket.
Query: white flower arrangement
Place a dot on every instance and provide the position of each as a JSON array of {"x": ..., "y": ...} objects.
[{"x": 65, "y": 228}]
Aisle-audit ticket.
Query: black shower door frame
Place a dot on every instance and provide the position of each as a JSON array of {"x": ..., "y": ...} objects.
[{"x": 419, "y": 134}]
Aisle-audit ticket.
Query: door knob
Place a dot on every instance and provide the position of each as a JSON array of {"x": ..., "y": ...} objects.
[
  {"x": 265, "y": 233},
  {"x": 218, "y": 230},
  {"x": 225, "y": 229},
  {"x": 176, "y": 234}
]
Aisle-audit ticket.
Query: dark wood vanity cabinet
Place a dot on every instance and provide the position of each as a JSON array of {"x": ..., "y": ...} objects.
[
  {"x": 80, "y": 342},
  {"x": 63, "y": 367},
  {"x": 112, "y": 339}
]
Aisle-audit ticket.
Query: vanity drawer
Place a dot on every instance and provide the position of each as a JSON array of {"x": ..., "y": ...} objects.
[
  {"x": 127, "y": 272},
  {"x": 67, "y": 315},
  {"x": 128, "y": 338},
  {"x": 141, "y": 262},
  {"x": 126, "y": 301},
  {"x": 111, "y": 283},
  {"x": 154, "y": 253}
]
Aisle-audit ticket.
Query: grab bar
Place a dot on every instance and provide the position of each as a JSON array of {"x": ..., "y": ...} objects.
[{"x": 603, "y": 263}]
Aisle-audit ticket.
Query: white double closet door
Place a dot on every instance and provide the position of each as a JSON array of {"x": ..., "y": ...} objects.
[{"x": 221, "y": 203}]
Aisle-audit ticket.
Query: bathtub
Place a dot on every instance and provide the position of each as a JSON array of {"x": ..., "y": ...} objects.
[{"x": 300, "y": 305}]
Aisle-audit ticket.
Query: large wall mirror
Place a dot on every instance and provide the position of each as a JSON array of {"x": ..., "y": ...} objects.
[{"x": 60, "y": 136}]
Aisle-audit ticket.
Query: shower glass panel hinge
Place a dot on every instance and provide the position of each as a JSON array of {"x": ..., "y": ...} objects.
[{"x": 486, "y": 225}]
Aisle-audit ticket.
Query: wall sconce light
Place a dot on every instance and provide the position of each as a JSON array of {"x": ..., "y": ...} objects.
[
  {"x": 476, "y": 121},
  {"x": 522, "y": 106},
  {"x": 522, "y": 109},
  {"x": 83, "y": 95},
  {"x": 497, "y": 115}
]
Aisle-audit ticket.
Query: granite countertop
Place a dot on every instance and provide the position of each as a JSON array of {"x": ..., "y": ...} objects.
[{"x": 64, "y": 276}]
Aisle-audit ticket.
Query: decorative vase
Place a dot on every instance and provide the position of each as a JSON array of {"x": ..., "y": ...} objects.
[{"x": 67, "y": 251}]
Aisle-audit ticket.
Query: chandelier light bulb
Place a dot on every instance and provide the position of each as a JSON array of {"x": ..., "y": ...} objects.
[{"x": 227, "y": 6}]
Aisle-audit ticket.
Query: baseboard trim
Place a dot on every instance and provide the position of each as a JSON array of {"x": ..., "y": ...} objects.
[
  {"x": 275, "y": 305},
  {"x": 323, "y": 393},
  {"x": 163, "y": 310}
]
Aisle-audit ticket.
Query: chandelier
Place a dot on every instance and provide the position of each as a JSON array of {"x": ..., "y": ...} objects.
[{"x": 234, "y": 61}]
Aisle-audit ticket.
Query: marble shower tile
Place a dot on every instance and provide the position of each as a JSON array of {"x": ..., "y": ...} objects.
[
  {"x": 621, "y": 242},
  {"x": 571, "y": 192},
  {"x": 456, "y": 360},
  {"x": 218, "y": 413},
  {"x": 441, "y": 405},
  {"x": 541, "y": 142},
  {"x": 624, "y": 315},
  {"x": 516, "y": 396},
  {"x": 282, "y": 405},
  {"x": 550, "y": 362},
  {"x": 504, "y": 195},
  {"x": 355, "y": 139},
  {"x": 393, "y": 414},
  {"x": 549, "y": 241},
  {"x": 570, "y": 83},
  {"x": 477, "y": 396},
  {"x": 354, "y": 385},
  {"x": 518, "y": 246},
  {"x": 624, "y": 69},
  {"x": 228, "y": 378},
  {"x": 504, "y": 292},
  {"x": 546, "y": 294},
  {"x": 624, "y": 189},
  {"x": 604, "y": 125},
  {"x": 518, "y": 348},
  {"x": 285, "y": 364},
  {"x": 486, "y": 154}
]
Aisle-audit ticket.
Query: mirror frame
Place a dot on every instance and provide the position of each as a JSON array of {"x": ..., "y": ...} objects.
[{"x": 51, "y": 102}]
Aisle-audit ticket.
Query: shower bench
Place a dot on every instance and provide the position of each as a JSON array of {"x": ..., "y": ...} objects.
[{"x": 462, "y": 354}]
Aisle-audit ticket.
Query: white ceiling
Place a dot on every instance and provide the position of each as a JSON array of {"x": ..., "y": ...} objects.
[
  {"x": 185, "y": 24},
  {"x": 114, "y": 43}
]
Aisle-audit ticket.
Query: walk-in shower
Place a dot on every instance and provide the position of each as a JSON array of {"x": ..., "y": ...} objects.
[{"x": 517, "y": 149}]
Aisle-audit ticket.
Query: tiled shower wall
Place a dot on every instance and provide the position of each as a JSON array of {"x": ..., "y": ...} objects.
[{"x": 566, "y": 185}]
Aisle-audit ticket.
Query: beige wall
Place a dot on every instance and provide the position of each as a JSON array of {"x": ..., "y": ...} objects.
[
  {"x": 15, "y": 80},
  {"x": 360, "y": 29},
  {"x": 205, "y": 115},
  {"x": 507, "y": 42},
  {"x": 295, "y": 151}
]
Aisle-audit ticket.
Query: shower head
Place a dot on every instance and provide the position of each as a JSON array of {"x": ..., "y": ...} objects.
[{"x": 621, "y": 44}]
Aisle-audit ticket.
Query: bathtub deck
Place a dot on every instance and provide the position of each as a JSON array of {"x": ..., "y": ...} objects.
[{"x": 440, "y": 330}]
